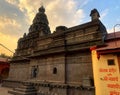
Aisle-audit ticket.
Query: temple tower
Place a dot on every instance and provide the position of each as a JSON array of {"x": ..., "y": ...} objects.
[{"x": 40, "y": 23}]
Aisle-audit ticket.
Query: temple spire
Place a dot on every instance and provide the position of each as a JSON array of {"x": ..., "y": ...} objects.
[{"x": 40, "y": 22}]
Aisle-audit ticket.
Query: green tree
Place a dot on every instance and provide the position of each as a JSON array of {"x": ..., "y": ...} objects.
[{"x": 5, "y": 56}]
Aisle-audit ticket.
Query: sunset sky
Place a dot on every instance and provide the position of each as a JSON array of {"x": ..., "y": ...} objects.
[{"x": 16, "y": 16}]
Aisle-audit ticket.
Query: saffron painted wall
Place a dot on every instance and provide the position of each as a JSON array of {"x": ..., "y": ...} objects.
[{"x": 106, "y": 77}]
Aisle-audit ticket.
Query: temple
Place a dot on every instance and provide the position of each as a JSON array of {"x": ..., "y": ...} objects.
[{"x": 58, "y": 63}]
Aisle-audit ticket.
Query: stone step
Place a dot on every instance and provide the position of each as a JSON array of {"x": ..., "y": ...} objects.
[
  {"x": 21, "y": 93},
  {"x": 27, "y": 87},
  {"x": 25, "y": 90}
]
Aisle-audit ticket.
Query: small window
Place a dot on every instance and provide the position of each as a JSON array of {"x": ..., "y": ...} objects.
[
  {"x": 34, "y": 71},
  {"x": 55, "y": 70},
  {"x": 111, "y": 62}
]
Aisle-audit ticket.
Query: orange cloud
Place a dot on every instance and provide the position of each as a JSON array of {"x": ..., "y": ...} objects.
[
  {"x": 65, "y": 12},
  {"x": 9, "y": 42},
  {"x": 59, "y": 12},
  {"x": 8, "y": 27}
]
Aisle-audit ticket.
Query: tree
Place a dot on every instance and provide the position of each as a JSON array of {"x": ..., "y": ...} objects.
[{"x": 5, "y": 56}]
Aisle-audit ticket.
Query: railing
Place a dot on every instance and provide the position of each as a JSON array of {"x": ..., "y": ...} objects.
[{"x": 114, "y": 32}]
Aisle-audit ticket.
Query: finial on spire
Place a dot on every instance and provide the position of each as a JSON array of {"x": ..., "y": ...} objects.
[
  {"x": 42, "y": 9},
  {"x": 94, "y": 14}
]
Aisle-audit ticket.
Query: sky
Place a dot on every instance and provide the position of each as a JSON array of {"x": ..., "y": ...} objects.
[{"x": 16, "y": 16}]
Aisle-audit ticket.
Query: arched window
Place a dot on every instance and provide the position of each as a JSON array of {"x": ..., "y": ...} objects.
[{"x": 54, "y": 70}]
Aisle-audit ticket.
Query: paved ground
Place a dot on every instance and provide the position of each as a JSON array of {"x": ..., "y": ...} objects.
[{"x": 4, "y": 91}]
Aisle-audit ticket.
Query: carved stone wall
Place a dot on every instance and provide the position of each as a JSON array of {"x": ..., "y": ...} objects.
[
  {"x": 52, "y": 91},
  {"x": 46, "y": 67},
  {"x": 83, "y": 35},
  {"x": 79, "y": 66},
  {"x": 74, "y": 91},
  {"x": 59, "y": 63},
  {"x": 19, "y": 71}
]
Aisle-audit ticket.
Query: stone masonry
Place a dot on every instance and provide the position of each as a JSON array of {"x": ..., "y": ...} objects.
[{"x": 57, "y": 63}]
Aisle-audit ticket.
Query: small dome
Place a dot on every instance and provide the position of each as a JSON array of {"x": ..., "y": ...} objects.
[
  {"x": 94, "y": 11},
  {"x": 94, "y": 15}
]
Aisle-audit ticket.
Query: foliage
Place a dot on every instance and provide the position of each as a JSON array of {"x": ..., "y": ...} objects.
[{"x": 5, "y": 56}]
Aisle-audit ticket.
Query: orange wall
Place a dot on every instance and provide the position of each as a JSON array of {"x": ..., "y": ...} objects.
[{"x": 106, "y": 77}]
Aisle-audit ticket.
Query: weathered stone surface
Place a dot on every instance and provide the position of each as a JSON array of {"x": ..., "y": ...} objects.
[
  {"x": 58, "y": 63},
  {"x": 40, "y": 23},
  {"x": 28, "y": 89}
]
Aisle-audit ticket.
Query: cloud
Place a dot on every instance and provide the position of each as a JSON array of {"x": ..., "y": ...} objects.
[
  {"x": 9, "y": 31},
  {"x": 13, "y": 2},
  {"x": 11, "y": 10},
  {"x": 104, "y": 13},
  {"x": 118, "y": 20},
  {"x": 12, "y": 19},
  {"x": 110, "y": 30},
  {"x": 9, "y": 26},
  {"x": 9, "y": 42},
  {"x": 82, "y": 3},
  {"x": 116, "y": 29},
  {"x": 65, "y": 12},
  {"x": 17, "y": 15},
  {"x": 28, "y": 7}
]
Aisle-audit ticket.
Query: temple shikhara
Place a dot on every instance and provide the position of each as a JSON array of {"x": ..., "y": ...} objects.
[{"x": 58, "y": 63}]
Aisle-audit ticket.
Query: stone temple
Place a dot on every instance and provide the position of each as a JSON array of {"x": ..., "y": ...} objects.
[{"x": 56, "y": 63}]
